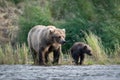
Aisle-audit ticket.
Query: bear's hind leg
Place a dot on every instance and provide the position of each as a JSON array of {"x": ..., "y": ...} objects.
[
  {"x": 41, "y": 61},
  {"x": 46, "y": 57},
  {"x": 41, "y": 57},
  {"x": 76, "y": 58},
  {"x": 34, "y": 55}
]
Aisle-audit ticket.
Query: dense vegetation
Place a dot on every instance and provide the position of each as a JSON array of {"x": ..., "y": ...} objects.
[{"x": 101, "y": 18}]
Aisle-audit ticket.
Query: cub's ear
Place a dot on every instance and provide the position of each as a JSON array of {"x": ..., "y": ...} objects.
[
  {"x": 52, "y": 31},
  {"x": 85, "y": 47},
  {"x": 63, "y": 30}
]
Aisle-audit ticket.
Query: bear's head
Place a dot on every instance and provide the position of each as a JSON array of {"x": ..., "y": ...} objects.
[
  {"x": 87, "y": 49},
  {"x": 57, "y": 35}
]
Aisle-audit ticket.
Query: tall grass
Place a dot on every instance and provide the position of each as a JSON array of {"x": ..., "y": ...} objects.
[
  {"x": 18, "y": 55},
  {"x": 114, "y": 55},
  {"x": 98, "y": 49},
  {"x": 100, "y": 53}
]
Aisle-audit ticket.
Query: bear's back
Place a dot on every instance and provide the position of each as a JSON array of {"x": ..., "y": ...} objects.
[
  {"x": 33, "y": 36},
  {"x": 77, "y": 46}
]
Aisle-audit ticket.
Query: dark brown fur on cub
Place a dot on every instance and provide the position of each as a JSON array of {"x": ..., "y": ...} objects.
[{"x": 78, "y": 51}]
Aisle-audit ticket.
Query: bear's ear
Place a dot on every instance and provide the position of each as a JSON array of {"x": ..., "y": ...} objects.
[
  {"x": 52, "y": 31},
  {"x": 63, "y": 30},
  {"x": 85, "y": 47}
]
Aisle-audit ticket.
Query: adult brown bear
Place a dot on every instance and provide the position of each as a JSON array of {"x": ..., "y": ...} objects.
[
  {"x": 45, "y": 39},
  {"x": 78, "y": 51}
]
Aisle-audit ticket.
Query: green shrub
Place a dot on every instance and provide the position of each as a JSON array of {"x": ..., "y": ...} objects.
[
  {"x": 17, "y": 1},
  {"x": 32, "y": 16}
]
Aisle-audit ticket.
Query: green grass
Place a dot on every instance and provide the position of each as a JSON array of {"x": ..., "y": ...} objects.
[
  {"x": 101, "y": 55},
  {"x": 18, "y": 55},
  {"x": 98, "y": 49}
]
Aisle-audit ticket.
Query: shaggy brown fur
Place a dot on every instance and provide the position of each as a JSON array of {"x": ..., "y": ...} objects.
[
  {"x": 78, "y": 51},
  {"x": 45, "y": 39}
]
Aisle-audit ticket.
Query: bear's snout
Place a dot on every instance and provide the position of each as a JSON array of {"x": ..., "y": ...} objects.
[
  {"x": 63, "y": 42},
  {"x": 90, "y": 54}
]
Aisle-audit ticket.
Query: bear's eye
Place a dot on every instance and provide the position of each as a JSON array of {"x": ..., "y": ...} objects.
[{"x": 59, "y": 36}]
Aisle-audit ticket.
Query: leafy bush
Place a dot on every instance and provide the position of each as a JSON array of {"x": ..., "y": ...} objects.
[
  {"x": 17, "y": 1},
  {"x": 99, "y": 16},
  {"x": 32, "y": 16},
  {"x": 74, "y": 30}
]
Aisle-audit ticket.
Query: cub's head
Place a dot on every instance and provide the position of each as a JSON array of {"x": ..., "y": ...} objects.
[
  {"x": 87, "y": 49},
  {"x": 58, "y": 35}
]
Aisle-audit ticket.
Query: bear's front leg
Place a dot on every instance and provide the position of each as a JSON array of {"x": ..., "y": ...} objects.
[
  {"x": 82, "y": 59},
  {"x": 56, "y": 55}
]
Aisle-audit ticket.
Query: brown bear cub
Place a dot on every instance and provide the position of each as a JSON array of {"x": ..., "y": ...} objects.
[
  {"x": 78, "y": 51},
  {"x": 45, "y": 39}
]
